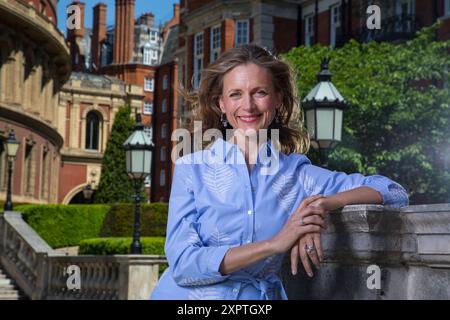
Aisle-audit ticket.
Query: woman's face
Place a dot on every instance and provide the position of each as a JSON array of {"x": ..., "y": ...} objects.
[{"x": 248, "y": 97}]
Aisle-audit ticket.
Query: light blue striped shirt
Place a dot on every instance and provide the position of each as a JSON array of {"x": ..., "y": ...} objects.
[{"x": 216, "y": 204}]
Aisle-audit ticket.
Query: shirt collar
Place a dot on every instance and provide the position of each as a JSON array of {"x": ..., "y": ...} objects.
[{"x": 224, "y": 150}]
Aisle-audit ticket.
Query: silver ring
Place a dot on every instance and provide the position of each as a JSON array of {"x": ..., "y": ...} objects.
[
  {"x": 302, "y": 222},
  {"x": 310, "y": 248}
]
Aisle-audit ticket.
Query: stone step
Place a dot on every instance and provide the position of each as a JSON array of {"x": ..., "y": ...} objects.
[
  {"x": 5, "y": 281},
  {"x": 7, "y": 287},
  {"x": 9, "y": 296}
]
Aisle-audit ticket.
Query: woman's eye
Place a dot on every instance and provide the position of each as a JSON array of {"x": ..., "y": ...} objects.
[
  {"x": 234, "y": 94},
  {"x": 261, "y": 93}
]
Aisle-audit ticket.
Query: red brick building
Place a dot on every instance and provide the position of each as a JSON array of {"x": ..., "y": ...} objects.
[{"x": 200, "y": 30}]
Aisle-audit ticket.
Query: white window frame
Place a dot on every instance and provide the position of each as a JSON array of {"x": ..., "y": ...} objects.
[
  {"x": 215, "y": 42},
  {"x": 162, "y": 178},
  {"x": 335, "y": 22},
  {"x": 148, "y": 182},
  {"x": 165, "y": 83},
  {"x": 164, "y": 105},
  {"x": 198, "y": 58},
  {"x": 162, "y": 153},
  {"x": 164, "y": 129},
  {"x": 309, "y": 29},
  {"x": 147, "y": 56},
  {"x": 242, "y": 36},
  {"x": 149, "y": 84},
  {"x": 148, "y": 107},
  {"x": 153, "y": 36}
]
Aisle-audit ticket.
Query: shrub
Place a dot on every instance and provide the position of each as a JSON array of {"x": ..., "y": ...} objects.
[
  {"x": 65, "y": 225},
  {"x": 110, "y": 246},
  {"x": 120, "y": 219}
]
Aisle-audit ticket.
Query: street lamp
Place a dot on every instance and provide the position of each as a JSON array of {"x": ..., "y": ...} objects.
[
  {"x": 324, "y": 107},
  {"x": 12, "y": 145},
  {"x": 138, "y": 148},
  {"x": 88, "y": 192}
]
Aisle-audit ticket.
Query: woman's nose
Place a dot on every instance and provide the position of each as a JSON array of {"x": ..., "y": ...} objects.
[{"x": 247, "y": 102}]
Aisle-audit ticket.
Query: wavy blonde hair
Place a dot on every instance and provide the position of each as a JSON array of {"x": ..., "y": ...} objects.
[{"x": 205, "y": 103}]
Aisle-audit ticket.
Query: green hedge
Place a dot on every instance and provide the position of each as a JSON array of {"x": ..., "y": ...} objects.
[
  {"x": 120, "y": 219},
  {"x": 68, "y": 225},
  {"x": 65, "y": 225},
  {"x": 109, "y": 246}
]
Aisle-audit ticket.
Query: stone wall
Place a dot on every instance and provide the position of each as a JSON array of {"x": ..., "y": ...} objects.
[{"x": 411, "y": 247}]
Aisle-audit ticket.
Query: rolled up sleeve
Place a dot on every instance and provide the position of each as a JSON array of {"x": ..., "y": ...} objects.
[
  {"x": 317, "y": 180},
  {"x": 191, "y": 262}
]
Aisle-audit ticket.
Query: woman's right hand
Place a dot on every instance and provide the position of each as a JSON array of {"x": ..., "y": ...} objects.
[{"x": 306, "y": 220}]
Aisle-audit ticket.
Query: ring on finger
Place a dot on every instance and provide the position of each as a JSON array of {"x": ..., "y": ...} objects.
[
  {"x": 310, "y": 248},
  {"x": 302, "y": 222}
]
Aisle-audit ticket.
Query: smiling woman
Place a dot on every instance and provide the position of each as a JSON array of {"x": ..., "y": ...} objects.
[{"x": 230, "y": 222}]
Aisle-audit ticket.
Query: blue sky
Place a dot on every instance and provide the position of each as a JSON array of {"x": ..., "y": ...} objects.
[{"x": 162, "y": 9}]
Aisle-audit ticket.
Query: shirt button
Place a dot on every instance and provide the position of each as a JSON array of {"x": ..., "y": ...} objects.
[{"x": 249, "y": 211}]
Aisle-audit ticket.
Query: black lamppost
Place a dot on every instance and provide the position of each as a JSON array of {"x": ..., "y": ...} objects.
[
  {"x": 324, "y": 107},
  {"x": 88, "y": 192},
  {"x": 138, "y": 148},
  {"x": 12, "y": 145}
]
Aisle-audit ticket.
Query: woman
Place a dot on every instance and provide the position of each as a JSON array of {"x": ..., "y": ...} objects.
[{"x": 229, "y": 223}]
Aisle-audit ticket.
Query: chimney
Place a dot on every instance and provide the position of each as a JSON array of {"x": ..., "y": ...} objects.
[
  {"x": 98, "y": 33},
  {"x": 77, "y": 33},
  {"x": 176, "y": 13},
  {"x": 74, "y": 37},
  {"x": 124, "y": 31}
]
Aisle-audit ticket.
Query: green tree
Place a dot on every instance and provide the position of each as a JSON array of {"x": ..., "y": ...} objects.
[
  {"x": 398, "y": 120},
  {"x": 115, "y": 186}
]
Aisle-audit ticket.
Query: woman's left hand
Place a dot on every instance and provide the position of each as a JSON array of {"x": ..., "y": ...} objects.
[{"x": 312, "y": 240}]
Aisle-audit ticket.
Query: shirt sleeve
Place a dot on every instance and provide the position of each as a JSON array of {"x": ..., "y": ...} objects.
[
  {"x": 317, "y": 180},
  {"x": 190, "y": 261}
]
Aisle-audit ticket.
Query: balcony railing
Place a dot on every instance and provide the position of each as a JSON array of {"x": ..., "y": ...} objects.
[{"x": 395, "y": 28}]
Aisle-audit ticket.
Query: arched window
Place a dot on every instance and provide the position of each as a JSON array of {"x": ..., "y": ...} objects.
[{"x": 92, "y": 130}]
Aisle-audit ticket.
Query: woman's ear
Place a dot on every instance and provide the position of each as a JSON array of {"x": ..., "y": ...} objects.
[{"x": 221, "y": 104}]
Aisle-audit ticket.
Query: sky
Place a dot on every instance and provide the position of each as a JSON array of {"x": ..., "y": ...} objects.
[{"x": 162, "y": 9}]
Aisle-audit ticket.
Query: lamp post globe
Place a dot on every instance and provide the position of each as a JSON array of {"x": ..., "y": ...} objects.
[
  {"x": 324, "y": 107},
  {"x": 138, "y": 158},
  {"x": 12, "y": 145}
]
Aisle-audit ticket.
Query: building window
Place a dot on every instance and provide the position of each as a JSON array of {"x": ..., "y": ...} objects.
[
  {"x": 153, "y": 36},
  {"x": 45, "y": 173},
  {"x": 149, "y": 132},
  {"x": 148, "y": 182},
  {"x": 164, "y": 106},
  {"x": 215, "y": 43},
  {"x": 335, "y": 24},
  {"x": 447, "y": 7},
  {"x": 148, "y": 107},
  {"x": 28, "y": 168},
  {"x": 3, "y": 163},
  {"x": 165, "y": 82},
  {"x": 149, "y": 84},
  {"x": 162, "y": 154},
  {"x": 198, "y": 59},
  {"x": 242, "y": 30},
  {"x": 309, "y": 30},
  {"x": 147, "y": 54},
  {"x": 164, "y": 130},
  {"x": 92, "y": 130},
  {"x": 162, "y": 178}
]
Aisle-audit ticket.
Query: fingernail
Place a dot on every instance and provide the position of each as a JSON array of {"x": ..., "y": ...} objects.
[{"x": 310, "y": 275}]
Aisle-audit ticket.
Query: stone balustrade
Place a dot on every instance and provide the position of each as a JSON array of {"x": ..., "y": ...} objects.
[
  {"x": 410, "y": 246},
  {"x": 42, "y": 273}
]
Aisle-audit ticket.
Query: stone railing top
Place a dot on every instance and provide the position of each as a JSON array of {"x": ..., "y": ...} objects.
[{"x": 28, "y": 234}]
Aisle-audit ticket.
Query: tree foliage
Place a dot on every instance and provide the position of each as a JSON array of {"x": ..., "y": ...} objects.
[
  {"x": 115, "y": 186},
  {"x": 398, "y": 120}
]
